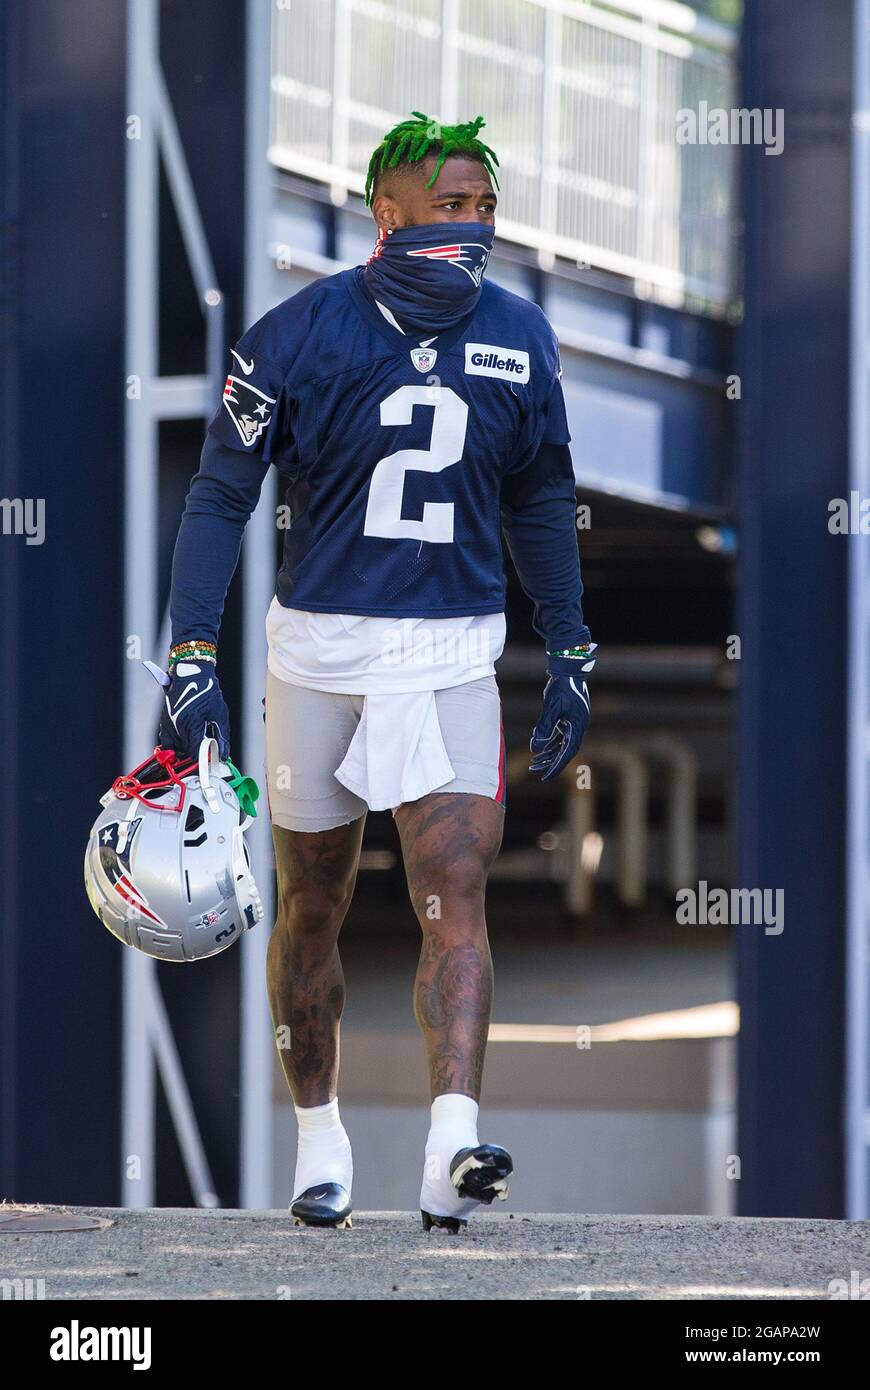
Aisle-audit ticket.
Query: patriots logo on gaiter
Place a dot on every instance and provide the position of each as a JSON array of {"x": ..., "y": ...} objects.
[{"x": 469, "y": 256}]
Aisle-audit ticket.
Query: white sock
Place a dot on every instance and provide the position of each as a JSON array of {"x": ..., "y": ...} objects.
[
  {"x": 323, "y": 1148},
  {"x": 453, "y": 1127}
]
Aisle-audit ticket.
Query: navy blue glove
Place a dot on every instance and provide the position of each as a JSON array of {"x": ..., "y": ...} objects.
[
  {"x": 192, "y": 701},
  {"x": 565, "y": 716}
]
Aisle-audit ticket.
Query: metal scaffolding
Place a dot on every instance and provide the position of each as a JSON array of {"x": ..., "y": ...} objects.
[{"x": 148, "y": 1041}]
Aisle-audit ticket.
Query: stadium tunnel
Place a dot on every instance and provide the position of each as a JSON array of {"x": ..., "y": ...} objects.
[{"x": 238, "y": 192}]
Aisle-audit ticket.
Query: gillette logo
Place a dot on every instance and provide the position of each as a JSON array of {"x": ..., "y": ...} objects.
[{"x": 487, "y": 359}]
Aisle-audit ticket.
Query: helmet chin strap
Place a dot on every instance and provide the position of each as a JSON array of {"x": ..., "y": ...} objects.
[
  {"x": 247, "y": 897},
  {"x": 210, "y": 767}
]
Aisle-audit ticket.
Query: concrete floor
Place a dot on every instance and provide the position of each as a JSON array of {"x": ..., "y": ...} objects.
[{"x": 188, "y": 1254}]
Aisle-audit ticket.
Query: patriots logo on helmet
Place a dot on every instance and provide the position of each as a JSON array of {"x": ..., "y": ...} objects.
[
  {"x": 116, "y": 841},
  {"x": 468, "y": 256},
  {"x": 250, "y": 409}
]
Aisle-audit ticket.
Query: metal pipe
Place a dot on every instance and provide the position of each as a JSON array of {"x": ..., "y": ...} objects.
[
  {"x": 581, "y": 823},
  {"x": 632, "y": 801},
  {"x": 181, "y": 187},
  {"x": 140, "y": 556},
  {"x": 257, "y": 1057},
  {"x": 682, "y": 813}
]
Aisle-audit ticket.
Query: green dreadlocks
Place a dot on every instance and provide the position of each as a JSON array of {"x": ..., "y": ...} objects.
[{"x": 411, "y": 140}]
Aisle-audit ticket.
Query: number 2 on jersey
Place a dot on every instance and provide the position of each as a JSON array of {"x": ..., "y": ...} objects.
[{"x": 449, "y": 423}]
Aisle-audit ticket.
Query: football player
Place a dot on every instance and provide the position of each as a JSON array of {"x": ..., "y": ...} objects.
[{"x": 414, "y": 411}]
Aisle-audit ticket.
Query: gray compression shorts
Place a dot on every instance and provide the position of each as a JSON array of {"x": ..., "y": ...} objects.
[{"x": 308, "y": 733}]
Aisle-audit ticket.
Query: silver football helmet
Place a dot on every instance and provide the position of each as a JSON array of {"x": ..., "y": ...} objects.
[{"x": 166, "y": 867}]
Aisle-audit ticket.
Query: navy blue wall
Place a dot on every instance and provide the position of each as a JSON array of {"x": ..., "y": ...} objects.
[
  {"x": 63, "y": 183},
  {"x": 63, "y": 149},
  {"x": 791, "y": 754}
]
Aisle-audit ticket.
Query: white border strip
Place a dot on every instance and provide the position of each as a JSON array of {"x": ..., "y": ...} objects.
[{"x": 858, "y": 747}]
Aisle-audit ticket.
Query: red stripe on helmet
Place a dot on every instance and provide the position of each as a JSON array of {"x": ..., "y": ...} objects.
[{"x": 125, "y": 889}]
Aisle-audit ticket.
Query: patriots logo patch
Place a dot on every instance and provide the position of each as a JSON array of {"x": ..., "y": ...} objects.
[
  {"x": 250, "y": 409},
  {"x": 468, "y": 256}
]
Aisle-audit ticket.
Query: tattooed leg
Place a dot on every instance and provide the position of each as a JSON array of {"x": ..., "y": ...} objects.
[
  {"x": 316, "y": 877},
  {"x": 449, "y": 841}
]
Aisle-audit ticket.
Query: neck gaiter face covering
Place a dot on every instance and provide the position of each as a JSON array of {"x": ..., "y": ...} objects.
[{"x": 429, "y": 277}]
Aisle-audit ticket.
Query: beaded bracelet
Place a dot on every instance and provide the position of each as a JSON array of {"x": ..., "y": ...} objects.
[
  {"x": 577, "y": 652},
  {"x": 193, "y": 651}
]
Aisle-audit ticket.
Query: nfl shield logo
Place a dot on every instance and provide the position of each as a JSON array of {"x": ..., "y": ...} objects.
[{"x": 423, "y": 358}]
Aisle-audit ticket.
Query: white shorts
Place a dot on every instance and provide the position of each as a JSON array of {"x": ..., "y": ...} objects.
[{"x": 308, "y": 733}]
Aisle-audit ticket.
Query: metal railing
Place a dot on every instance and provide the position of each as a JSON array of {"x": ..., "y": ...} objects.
[{"x": 581, "y": 105}]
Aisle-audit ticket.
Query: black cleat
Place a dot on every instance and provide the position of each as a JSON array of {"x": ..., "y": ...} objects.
[
  {"x": 325, "y": 1204},
  {"x": 453, "y": 1224},
  {"x": 482, "y": 1173}
]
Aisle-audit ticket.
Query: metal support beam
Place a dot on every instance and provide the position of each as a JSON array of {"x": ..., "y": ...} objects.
[
  {"x": 257, "y": 1041},
  {"x": 147, "y": 1032},
  {"x": 140, "y": 551}
]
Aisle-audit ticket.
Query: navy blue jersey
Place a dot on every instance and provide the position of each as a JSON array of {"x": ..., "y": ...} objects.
[{"x": 395, "y": 449}]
